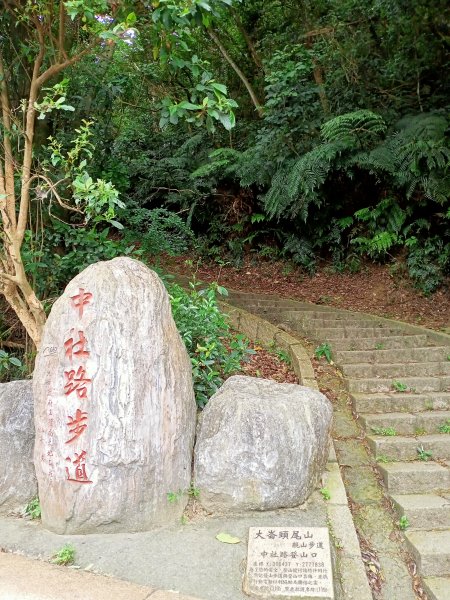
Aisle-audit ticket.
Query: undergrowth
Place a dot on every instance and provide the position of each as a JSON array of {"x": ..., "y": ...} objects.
[{"x": 214, "y": 349}]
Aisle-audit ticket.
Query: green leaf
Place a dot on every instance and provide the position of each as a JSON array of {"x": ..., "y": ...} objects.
[
  {"x": 131, "y": 19},
  {"x": 226, "y": 121},
  {"x": 15, "y": 361},
  {"x": 116, "y": 224},
  {"x": 220, "y": 87},
  {"x": 226, "y": 538},
  {"x": 189, "y": 106}
]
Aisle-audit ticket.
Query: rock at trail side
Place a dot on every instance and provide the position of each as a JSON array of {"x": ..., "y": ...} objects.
[
  {"x": 114, "y": 405},
  {"x": 17, "y": 477},
  {"x": 261, "y": 445}
]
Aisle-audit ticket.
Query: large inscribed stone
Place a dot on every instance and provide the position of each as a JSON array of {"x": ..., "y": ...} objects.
[
  {"x": 17, "y": 477},
  {"x": 289, "y": 563},
  {"x": 114, "y": 404},
  {"x": 261, "y": 445}
]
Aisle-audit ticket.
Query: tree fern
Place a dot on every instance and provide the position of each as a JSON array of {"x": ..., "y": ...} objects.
[
  {"x": 361, "y": 127},
  {"x": 298, "y": 183}
]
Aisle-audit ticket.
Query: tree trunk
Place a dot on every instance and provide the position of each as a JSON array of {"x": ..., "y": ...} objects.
[{"x": 238, "y": 72}]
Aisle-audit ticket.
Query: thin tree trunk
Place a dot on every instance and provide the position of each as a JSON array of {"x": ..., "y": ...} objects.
[
  {"x": 238, "y": 72},
  {"x": 248, "y": 40}
]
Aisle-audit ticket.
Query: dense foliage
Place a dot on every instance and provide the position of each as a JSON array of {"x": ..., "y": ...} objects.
[
  {"x": 215, "y": 351},
  {"x": 347, "y": 161},
  {"x": 293, "y": 129}
]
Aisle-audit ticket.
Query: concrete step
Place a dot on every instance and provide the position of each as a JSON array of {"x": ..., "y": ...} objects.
[
  {"x": 421, "y": 510},
  {"x": 397, "y": 370},
  {"x": 360, "y": 343},
  {"x": 322, "y": 313},
  {"x": 437, "y": 588},
  {"x": 417, "y": 385},
  {"x": 398, "y": 447},
  {"x": 336, "y": 323},
  {"x": 381, "y": 356},
  {"x": 324, "y": 334},
  {"x": 415, "y": 477},
  {"x": 431, "y": 550},
  {"x": 399, "y": 402},
  {"x": 405, "y": 423}
]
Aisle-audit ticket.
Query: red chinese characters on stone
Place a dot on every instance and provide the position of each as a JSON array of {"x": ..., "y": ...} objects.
[
  {"x": 78, "y": 468},
  {"x": 76, "y": 381},
  {"x": 77, "y": 424},
  {"x": 77, "y": 349},
  {"x": 81, "y": 300}
]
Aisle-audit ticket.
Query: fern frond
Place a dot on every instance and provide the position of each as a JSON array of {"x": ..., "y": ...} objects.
[
  {"x": 360, "y": 125},
  {"x": 296, "y": 184},
  {"x": 427, "y": 126}
]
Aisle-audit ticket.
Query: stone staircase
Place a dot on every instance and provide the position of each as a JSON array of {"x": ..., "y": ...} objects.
[{"x": 399, "y": 380}]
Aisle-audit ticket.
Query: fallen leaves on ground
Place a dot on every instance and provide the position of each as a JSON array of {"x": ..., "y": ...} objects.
[{"x": 374, "y": 290}]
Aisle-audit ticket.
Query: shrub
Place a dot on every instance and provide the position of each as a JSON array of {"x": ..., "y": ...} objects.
[{"x": 215, "y": 351}]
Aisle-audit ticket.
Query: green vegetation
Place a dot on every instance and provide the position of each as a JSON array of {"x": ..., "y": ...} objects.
[
  {"x": 403, "y": 523},
  {"x": 193, "y": 491},
  {"x": 445, "y": 427},
  {"x": 398, "y": 386},
  {"x": 281, "y": 354},
  {"x": 308, "y": 132},
  {"x": 423, "y": 454},
  {"x": 10, "y": 366},
  {"x": 33, "y": 508},
  {"x": 325, "y": 493},
  {"x": 382, "y": 458},
  {"x": 215, "y": 350},
  {"x": 64, "y": 556},
  {"x": 323, "y": 350},
  {"x": 389, "y": 431},
  {"x": 174, "y": 497}
]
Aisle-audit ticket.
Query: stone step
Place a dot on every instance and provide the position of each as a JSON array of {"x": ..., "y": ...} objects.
[
  {"x": 413, "y": 384},
  {"x": 399, "y": 402},
  {"x": 324, "y": 334},
  {"x": 381, "y": 356},
  {"x": 360, "y": 343},
  {"x": 272, "y": 303},
  {"x": 405, "y": 423},
  {"x": 421, "y": 510},
  {"x": 436, "y": 588},
  {"x": 336, "y": 323},
  {"x": 401, "y": 448},
  {"x": 298, "y": 316},
  {"x": 397, "y": 370},
  {"x": 431, "y": 550},
  {"x": 415, "y": 477}
]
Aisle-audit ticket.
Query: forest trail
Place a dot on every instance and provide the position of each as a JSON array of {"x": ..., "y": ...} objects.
[{"x": 391, "y": 434}]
